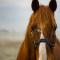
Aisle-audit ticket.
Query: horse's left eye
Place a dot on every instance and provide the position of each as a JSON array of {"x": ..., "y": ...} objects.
[{"x": 55, "y": 27}]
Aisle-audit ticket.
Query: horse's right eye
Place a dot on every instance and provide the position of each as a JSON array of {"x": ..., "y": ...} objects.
[{"x": 35, "y": 29}]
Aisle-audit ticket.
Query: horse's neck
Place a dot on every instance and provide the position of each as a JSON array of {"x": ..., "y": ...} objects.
[{"x": 42, "y": 51}]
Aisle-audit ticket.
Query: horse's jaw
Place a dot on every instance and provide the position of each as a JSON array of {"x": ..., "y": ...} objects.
[{"x": 42, "y": 51}]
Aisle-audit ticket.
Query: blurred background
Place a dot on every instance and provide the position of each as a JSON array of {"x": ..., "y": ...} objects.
[{"x": 14, "y": 18}]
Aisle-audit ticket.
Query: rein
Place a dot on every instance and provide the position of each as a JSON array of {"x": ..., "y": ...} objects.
[{"x": 37, "y": 42}]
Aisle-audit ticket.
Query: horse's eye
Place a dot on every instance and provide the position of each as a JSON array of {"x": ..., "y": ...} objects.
[
  {"x": 34, "y": 29},
  {"x": 55, "y": 27}
]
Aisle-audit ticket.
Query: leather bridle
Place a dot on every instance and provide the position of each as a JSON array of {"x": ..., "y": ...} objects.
[{"x": 37, "y": 42}]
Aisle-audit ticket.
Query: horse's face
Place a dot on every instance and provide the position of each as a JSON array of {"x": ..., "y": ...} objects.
[
  {"x": 43, "y": 22},
  {"x": 42, "y": 27}
]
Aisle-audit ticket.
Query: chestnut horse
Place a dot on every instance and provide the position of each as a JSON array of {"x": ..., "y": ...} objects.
[{"x": 40, "y": 41}]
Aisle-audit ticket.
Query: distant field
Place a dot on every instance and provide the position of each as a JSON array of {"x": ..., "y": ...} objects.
[{"x": 9, "y": 50}]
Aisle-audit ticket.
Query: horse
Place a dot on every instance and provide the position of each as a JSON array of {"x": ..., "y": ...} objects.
[{"x": 40, "y": 41}]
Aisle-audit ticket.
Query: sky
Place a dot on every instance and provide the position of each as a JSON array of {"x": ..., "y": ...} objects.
[{"x": 15, "y": 14}]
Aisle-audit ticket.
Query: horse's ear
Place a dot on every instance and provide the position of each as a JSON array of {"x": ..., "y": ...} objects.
[
  {"x": 35, "y": 5},
  {"x": 53, "y": 5}
]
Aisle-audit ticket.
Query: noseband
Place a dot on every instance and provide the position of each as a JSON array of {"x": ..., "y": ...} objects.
[{"x": 37, "y": 42}]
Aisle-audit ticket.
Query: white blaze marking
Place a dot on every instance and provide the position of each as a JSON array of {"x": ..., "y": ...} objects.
[
  {"x": 41, "y": 36},
  {"x": 42, "y": 49}
]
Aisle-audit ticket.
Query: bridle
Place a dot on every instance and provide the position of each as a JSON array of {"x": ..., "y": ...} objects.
[{"x": 37, "y": 42}]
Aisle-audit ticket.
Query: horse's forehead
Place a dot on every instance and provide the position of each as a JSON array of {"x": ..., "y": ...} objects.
[{"x": 44, "y": 13}]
